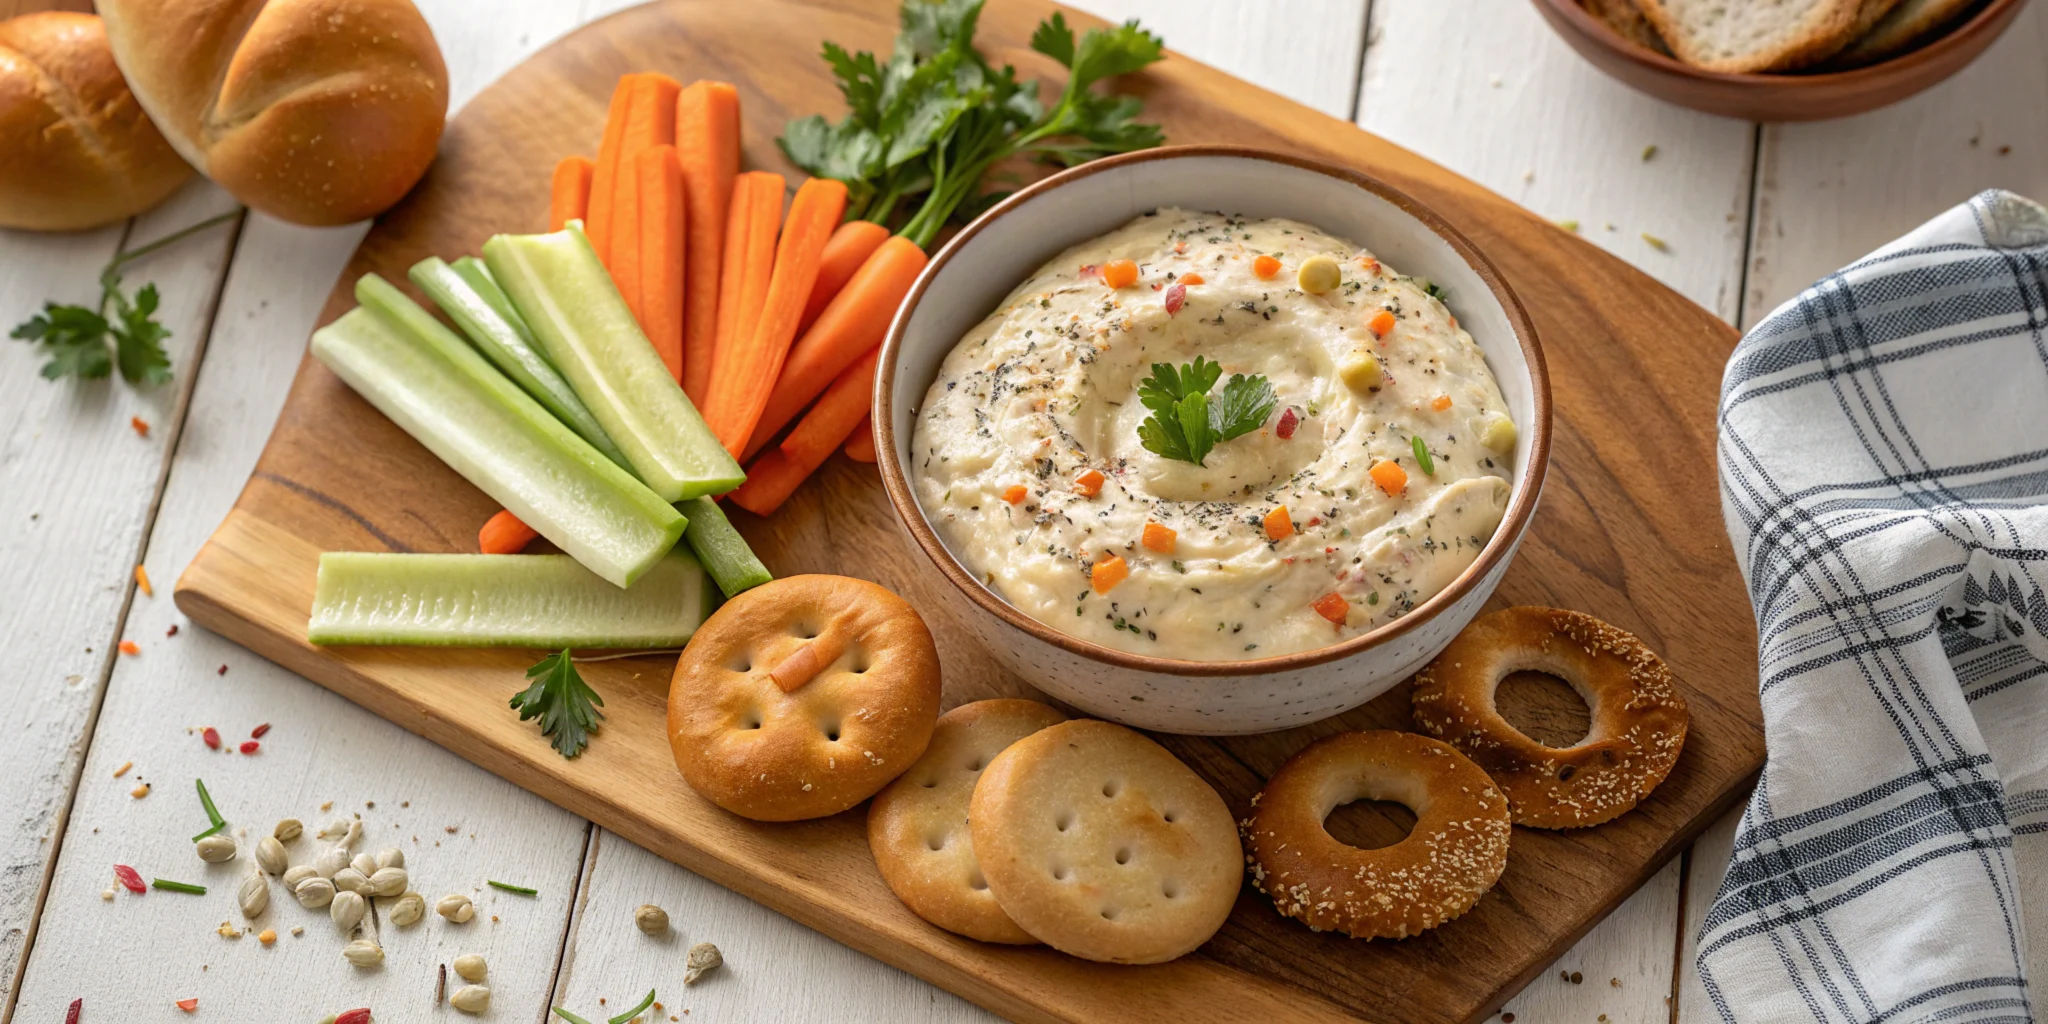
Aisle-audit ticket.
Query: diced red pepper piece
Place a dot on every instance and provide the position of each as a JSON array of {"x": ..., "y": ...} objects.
[
  {"x": 212, "y": 737},
  {"x": 257, "y": 733},
  {"x": 250, "y": 746},
  {"x": 71, "y": 1015},
  {"x": 130, "y": 879},
  {"x": 360, "y": 1016},
  {"x": 188, "y": 1005},
  {"x": 1176, "y": 296},
  {"x": 1288, "y": 421}
]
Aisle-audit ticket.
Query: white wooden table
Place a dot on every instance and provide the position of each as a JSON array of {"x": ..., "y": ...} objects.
[{"x": 1751, "y": 214}]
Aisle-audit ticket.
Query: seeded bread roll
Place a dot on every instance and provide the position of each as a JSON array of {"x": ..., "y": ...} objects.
[
  {"x": 1749, "y": 37},
  {"x": 79, "y": 152},
  {"x": 318, "y": 112}
]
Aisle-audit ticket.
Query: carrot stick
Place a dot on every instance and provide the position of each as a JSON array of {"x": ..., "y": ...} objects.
[
  {"x": 650, "y": 122},
  {"x": 742, "y": 379},
  {"x": 849, "y": 247},
  {"x": 861, "y": 446},
  {"x": 852, "y": 324},
  {"x": 774, "y": 477},
  {"x": 662, "y": 259},
  {"x": 624, "y": 262},
  {"x": 569, "y": 192},
  {"x": 504, "y": 534},
  {"x": 749, "y": 265},
  {"x": 708, "y": 144},
  {"x": 605, "y": 174}
]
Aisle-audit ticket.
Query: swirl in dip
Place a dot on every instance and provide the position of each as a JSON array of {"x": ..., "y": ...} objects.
[{"x": 1317, "y": 524}]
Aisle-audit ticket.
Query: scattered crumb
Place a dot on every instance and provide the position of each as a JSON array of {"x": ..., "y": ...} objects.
[
  {"x": 1656, "y": 243},
  {"x": 130, "y": 648},
  {"x": 139, "y": 791},
  {"x": 1610, "y": 226},
  {"x": 298, "y": 930},
  {"x": 227, "y": 931},
  {"x": 267, "y": 937},
  {"x": 1649, "y": 151},
  {"x": 173, "y": 631},
  {"x": 107, "y": 894},
  {"x": 123, "y": 770},
  {"x": 1616, "y": 982},
  {"x": 1494, "y": 81},
  {"x": 142, "y": 580},
  {"x": 223, "y": 670},
  {"x": 1577, "y": 978},
  {"x": 2005, "y": 151},
  {"x": 1529, "y": 175},
  {"x": 703, "y": 957},
  {"x": 328, "y": 806},
  {"x": 1569, "y": 225},
  {"x": 140, "y": 425}
]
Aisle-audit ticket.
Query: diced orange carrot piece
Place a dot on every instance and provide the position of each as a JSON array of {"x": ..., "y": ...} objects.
[
  {"x": 1390, "y": 477},
  {"x": 1159, "y": 538},
  {"x": 1279, "y": 525},
  {"x": 1440, "y": 402},
  {"x": 1107, "y": 573},
  {"x": 1381, "y": 323},
  {"x": 1266, "y": 267},
  {"x": 1119, "y": 273},
  {"x": 1333, "y": 607},
  {"x": 1192, "y": 280},
  {"x": 1015, "y": 493},
  {"x": 130, "y": 647},
  {"x": 1089, "y": 484}
]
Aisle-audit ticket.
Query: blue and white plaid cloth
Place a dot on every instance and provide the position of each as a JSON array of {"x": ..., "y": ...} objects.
[{"x": 1884, "y": 474}]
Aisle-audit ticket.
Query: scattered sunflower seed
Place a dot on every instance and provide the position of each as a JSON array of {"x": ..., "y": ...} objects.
[
  {"x": 408, "y": 909},
  {"x": 330, "y": 861},
  {"x": 388, "y": 881},
  {"x": 298, "y": 873},
  {"x": 288, "y": 830},
  {"x": 347, "y": 910},
  {"x": 270, "y": 856},
  {"x": 392, "y": 858},
  {"x": 253, "y": 896},
  {"x": 471, "y": 999},
  {"x": 351, "y": 880},
  {"x": 314, "y": 893},
  {"x": 363, "y": 953},
  {"x": 455, "y": 907},
  {"x": 651, "y": 919},
  {"x": 364, "y": 863},
  {"x": 703, "y": 957},
  {"x": 471, "y": 967},
  {"x": 216, "y": 849}
]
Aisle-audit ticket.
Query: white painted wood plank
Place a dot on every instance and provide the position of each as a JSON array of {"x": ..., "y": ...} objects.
[
  {"x": 77, "y": 484},
  {"x": 775, "y": 969},
  {"x": 1710, "y": 853},
  {"x": 1488, "y": 90},
  {"x": 1305, "y": 50},
  {"x": 1830, "y": 192},
  {"x": 1623, "y": 966},
  {"x": 280, "y": 280}
]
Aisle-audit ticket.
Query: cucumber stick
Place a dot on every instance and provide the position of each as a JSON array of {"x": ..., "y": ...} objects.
[
  {"x": 506, "y": 343},
  {"x": 571, "y": 305},
  {"x": 723, "y": 551},
  {"x": 503, "y": 601},
  {"x": 472, "y": 270},
  {"x": 417, "y": 372}
]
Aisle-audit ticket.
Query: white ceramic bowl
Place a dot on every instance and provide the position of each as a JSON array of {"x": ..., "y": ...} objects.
[{"x": 973, "y": 273}]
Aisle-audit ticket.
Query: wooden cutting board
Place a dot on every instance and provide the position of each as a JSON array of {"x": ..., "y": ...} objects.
[{"x": 1629, "y": 530}]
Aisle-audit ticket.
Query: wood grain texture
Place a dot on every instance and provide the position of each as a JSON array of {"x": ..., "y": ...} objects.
[
  {"x": 1501, "y": 99},
  {"x": 1634, "y": 555},
  {"x": 1829, "y": 193},
  {"x": 77, "y": 490},
  {"x": 1305, "y": 50}
]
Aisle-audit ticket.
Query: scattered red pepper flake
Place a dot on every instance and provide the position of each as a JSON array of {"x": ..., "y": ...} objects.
[
  {"x": 142, "y": 580},
  {"x": 188, "y": 1005},
  {"x": 71, "y": 1015},
  {"x": 173, "y": 631},
  {"x": 1090, "y": 270},
  {"x": 1288, "y": 421},
  {"x": 359, "y": 1016},
  {"x": 249, "y": 746},
  {"x": 258, "y": 732},
  {"x": 1176, "y": 297},
  {"x": 130, "y": 647},
  {"x": 223, "y": 670},
  {"x": 140, "y": 425},
  {"x": 212, "y": 737},
  {"x": 130, "y": 879}
]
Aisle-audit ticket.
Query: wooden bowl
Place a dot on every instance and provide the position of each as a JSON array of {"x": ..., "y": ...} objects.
[{"x": 1778, "y": 97}]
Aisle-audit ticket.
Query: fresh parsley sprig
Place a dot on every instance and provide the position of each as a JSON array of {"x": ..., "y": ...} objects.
[
  {"x": 924, "y": 127},
  {"x": 1186, "y": 422},
  {"x": 75, "y": 337},
  {"x": 564, "y": 703}
]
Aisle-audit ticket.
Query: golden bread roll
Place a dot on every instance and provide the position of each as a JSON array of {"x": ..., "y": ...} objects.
[
  {"x": 317, "y": 112},
  {"x": 78, "y": 150}
]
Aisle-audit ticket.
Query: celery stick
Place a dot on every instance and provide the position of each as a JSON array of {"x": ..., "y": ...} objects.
[
  {"x": 721, "y": 548},
  {"x": 503, "y": 601},
  {"x": 472, "y": 270},
  {"x": 569, "y": 302},
  {"x": 450, "y": 400},
  {"x": 508, "y": 345}
]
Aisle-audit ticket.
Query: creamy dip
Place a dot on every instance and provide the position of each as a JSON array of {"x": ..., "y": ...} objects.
[{"x": 1042, "y": 396}]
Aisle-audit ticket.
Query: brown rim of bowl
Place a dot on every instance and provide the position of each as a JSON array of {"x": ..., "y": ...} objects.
[
  {"x": 1954, "y": 37},
  {"x": 1512, "y": 524}
]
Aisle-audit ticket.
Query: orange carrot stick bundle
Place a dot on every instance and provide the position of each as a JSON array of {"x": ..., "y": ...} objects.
[
  {"x": 851, "y": 325},
  {"x": 776, "y": 475},
  {"x": 750, "y": 227},
  {"x": 605, "y": 174},
  {"x": 504, "y": 534},
  {"x": 659, "y": 179},
  {"x": 642, "y": 116},
  {"x": 708, "y": 144},
  {"x": 742, "y": 379},
  {"x": 849, "y": 247},
  {"x": 624, "y": 262},
  {"x": 569, "y": 192}
]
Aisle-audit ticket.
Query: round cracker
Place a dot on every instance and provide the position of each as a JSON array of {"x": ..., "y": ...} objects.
[
  {"x": 1104, "y": 846},
  {"x": 917, "y": 827}
]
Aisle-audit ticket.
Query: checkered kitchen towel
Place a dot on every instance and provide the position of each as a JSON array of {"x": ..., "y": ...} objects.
[{"x": 1884, "y": 474}]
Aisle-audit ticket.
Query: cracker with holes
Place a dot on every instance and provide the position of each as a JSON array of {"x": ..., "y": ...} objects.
[
  {"x": 802, "y": 697},
  {"x": 918, "y": 830},
  {"x": 1100, "y": 844},
  {"x": 1639, "y": 717}
]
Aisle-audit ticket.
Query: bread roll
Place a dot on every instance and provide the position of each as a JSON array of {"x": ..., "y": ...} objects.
[
  {"x": 78, "y": 151},
  {"x": 317, "y": 112}
]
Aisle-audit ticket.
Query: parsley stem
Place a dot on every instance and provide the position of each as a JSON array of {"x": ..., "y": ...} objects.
[
  {"x": 509, "y": 887},
  {"x": 635, "y": 1011},
  {"x": 172, "y": 238},
  {"x": 1422, "y": 458},
  {"x": 212, "y": 812},
  {"x": 570, "y": 1017},
  {"x": 165, "y": 883}
]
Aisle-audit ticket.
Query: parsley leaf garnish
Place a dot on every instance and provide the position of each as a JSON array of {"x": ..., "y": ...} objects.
[
  {"x": 75, "y": 337},
  {"x": 925, "y": 125},
  {"x": 1186, "y": 422},
  {"x": 564, "y": 703}
]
